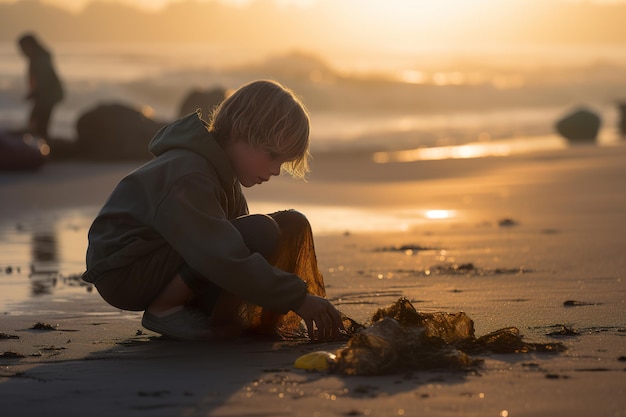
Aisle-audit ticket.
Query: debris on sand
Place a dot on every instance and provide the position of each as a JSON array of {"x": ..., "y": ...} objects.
[
  {"x": 471, "y": 270},
  {"x": 43, "y": 326},
  {"x": 564, "y": 330},
  {"x": 402, "y": 339},
  {"x": 406, "y": 249},
  {"x": 11, "y": 355},
  {"x": 574, "y": 303}
]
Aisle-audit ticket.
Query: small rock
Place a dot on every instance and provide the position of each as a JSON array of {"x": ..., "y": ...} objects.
[{"x": 507, "y": 222}]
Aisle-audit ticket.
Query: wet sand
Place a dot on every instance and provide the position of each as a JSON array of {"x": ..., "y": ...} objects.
[{"x": 534, "y": 241}]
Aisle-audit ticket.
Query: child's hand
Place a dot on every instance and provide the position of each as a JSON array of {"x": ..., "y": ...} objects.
[{"x": 327, "y": 320}]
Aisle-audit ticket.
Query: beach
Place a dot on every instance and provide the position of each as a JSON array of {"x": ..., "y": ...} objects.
[{"x": 533, "y": 240}]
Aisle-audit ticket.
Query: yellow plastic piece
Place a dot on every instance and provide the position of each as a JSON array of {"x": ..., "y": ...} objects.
[{"x": 318, "y": 361}]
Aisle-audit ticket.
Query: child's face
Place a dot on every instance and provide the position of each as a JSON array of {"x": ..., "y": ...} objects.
[{"x": 253, "y": 165}]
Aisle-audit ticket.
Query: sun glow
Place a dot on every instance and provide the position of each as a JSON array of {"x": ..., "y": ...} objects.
[
  {"x": 439, "y": 214},
  {"x": 399, "y": 11},
  {"x": 420, "y": 16}
]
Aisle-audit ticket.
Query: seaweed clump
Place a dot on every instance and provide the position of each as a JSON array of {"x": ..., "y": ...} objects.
[{"x": 402, "y": 339}]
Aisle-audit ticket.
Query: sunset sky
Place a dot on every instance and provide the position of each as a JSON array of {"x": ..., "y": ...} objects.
[
  {"x": 382, "y": 23},
  {"x": 408, "y": 5},
  {"x": 360, "y": 33}
]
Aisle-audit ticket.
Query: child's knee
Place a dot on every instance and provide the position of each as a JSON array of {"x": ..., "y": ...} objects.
[
  {"x": 260, "y": 232},
  {"x": 291, "y": 220}
]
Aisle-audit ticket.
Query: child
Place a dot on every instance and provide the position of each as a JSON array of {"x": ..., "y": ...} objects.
[{"x": 175, "y": 238}]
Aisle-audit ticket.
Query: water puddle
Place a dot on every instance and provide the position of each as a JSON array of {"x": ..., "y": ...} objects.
[{"x": 41, "y": 255}]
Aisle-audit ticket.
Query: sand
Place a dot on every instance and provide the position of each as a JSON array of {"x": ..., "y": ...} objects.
[{"x": 536, "y": 241}]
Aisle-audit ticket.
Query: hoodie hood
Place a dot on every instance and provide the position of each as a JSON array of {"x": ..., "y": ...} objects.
[{"x": 191, "y": 133}]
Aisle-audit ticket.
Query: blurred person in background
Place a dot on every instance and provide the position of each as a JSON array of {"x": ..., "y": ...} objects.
[{"x": 44, "y": 86}]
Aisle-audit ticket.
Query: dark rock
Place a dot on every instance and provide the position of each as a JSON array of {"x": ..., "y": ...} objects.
[
  {"x": 114, "y": 132},
  {"x": 622, "y": 118},
  {"x": 580, "y": 126},
  {"x": 205, "y": 100},
  {"x": 21, "y": 152}
]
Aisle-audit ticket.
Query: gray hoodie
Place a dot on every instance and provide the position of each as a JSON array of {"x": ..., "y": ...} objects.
[{"x": 185, "y": 198}]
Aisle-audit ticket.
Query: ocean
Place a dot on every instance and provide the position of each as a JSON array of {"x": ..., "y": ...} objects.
[{"x": 394, "y": 101}]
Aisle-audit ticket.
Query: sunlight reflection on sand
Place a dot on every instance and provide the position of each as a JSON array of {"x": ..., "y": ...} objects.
[
  {"x": 333, "y": 219},
  {"x": 493, "y": 148},
  {"x": 473, "y": 150}
]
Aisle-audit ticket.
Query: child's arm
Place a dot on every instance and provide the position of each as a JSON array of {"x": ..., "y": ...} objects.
[{"x": 320, "y": 311}]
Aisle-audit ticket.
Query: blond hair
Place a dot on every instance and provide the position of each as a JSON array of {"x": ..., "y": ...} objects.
[{"x": 266, "y": 115}]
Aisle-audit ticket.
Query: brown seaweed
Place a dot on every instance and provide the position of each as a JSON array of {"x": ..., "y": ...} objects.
[{"x": 402, "y": 339}]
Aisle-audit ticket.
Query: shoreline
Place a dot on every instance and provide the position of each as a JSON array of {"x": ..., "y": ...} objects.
[{"x": 563, "y": 243}]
